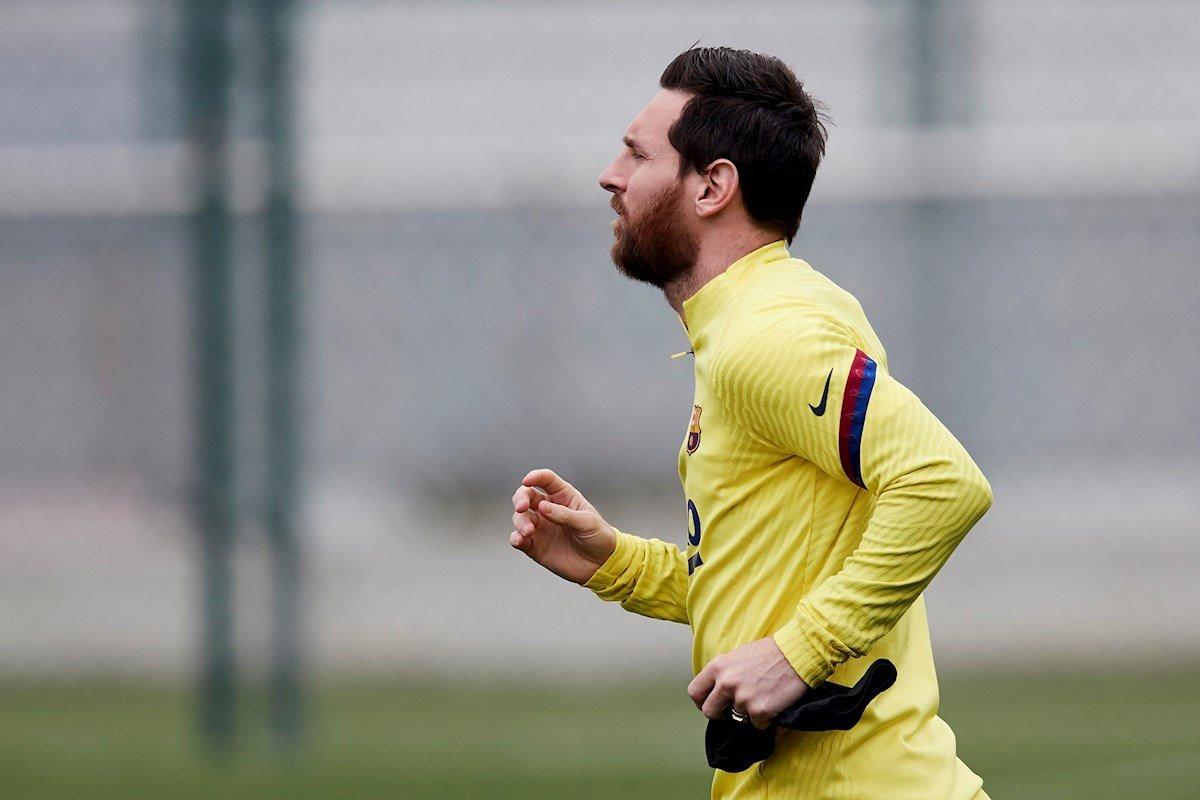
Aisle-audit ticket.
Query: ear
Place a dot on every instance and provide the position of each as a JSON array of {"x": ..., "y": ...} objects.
[{"x": 719, "y": 186}]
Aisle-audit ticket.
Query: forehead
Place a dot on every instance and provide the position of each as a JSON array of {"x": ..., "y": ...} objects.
[{"x": 650, "y": 126}]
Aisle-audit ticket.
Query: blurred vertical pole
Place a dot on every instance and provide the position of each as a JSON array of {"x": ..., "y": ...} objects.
[
  {"x": 926, "y": 116},
  {"x": 207, "y": 77},
  {"x": 942, "y": 72},
  {"x": 283, "y": 302}
]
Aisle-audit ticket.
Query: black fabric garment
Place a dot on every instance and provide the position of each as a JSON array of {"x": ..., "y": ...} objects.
[{"x": 736, "y": 746}]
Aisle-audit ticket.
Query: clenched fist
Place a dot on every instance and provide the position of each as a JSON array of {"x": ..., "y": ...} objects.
[{"x": 755, "y": 679}]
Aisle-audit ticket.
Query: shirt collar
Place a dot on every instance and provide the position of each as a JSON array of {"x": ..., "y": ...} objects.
[{"x": 706, "y": 304}]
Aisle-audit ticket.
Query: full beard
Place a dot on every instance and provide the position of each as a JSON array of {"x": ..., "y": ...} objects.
[{"x": 655, "y": 247}]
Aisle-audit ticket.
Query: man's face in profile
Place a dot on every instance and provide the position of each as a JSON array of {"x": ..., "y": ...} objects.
[{"x": 652, "y": 239}]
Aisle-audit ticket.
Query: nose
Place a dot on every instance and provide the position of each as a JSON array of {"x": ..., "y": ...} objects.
[{"x": 611, "y": 180}]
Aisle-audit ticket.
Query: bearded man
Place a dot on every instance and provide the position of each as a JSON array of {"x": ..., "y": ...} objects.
[{"x": 822, "y": 496}]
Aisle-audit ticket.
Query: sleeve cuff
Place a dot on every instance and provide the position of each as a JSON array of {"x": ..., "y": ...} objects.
[
  {"x": 617, "y": 577},
  {"x": 609, "y": 581},
  {"x": 811, "y": 650}
]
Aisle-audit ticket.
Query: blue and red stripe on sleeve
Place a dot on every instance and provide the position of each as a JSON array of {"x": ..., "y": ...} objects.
[{"x": 859, "y": 383}]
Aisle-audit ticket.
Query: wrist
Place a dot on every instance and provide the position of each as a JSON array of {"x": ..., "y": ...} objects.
[
  {"x": 806, "y": 658},
  {"x": 610, "y": 570},
  {"x": 606, "y": 545}
]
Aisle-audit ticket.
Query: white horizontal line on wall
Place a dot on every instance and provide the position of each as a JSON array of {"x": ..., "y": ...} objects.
[{"x": 479, "y": 171}]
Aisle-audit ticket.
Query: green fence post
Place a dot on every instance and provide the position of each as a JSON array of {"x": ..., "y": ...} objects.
[
  {"x": 206, "y": 91},
  {"x": 282, "y": 310}
]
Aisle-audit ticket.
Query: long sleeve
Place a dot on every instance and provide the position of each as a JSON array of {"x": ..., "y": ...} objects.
[
  {"x": 872, "y": 432},
  {"x": 646, "y": 576}
]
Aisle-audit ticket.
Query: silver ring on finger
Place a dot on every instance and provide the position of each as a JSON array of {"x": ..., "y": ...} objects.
[{"x": 737, "y": 716}]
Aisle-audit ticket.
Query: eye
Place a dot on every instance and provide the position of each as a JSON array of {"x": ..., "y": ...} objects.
[{"x": 636, "y": 156}]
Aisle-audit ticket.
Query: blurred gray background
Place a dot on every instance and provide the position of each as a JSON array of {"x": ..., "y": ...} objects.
[{"x": 1012, "y": 190}]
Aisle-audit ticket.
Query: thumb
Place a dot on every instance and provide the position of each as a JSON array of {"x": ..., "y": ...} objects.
[
  {"x": 760, "y": 721},
  {"x": 582, "y": 521}
]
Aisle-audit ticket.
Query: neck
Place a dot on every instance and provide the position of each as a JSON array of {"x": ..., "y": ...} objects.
[{"x": 713, "y": 259}]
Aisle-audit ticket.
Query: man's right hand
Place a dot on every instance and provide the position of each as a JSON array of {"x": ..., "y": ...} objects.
[{"x": 558, "y": 528}]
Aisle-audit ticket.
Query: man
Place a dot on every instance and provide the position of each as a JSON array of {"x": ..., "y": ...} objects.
[{"x": 822, "y": 496}]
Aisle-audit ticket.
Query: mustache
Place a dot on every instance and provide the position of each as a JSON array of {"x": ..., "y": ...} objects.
[{"x": 617, "y": 206}]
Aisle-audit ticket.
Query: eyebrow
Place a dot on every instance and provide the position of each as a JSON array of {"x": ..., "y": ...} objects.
[{"x": 630, "y": 143}]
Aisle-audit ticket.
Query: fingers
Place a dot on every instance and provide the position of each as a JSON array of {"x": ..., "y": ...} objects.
[
  {"x": 575, "y": 520},
  {"x": 525, "y": 523},
  {"x": 702, "y": 685},
  {"x": 520, "y": 542},
  {"x": 716, "y": 691},
  {"x": 718, "y": 702},
  {"x": 547, "y": 480},
  {"x": 527, "y": 497}
]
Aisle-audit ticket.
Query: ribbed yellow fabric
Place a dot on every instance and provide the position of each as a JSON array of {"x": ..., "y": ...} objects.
[
  {"x": 646, "y": 576},
  {"x": 784, "y": 542}
]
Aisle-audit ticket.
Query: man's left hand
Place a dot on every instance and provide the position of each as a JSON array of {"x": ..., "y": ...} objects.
[{"x": 755, "y": 679}]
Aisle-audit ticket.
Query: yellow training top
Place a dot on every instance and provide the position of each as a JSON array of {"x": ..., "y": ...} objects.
[{"x": 822, "y": 498}]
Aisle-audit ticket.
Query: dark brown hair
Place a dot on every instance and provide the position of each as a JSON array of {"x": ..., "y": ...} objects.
[{"x": 751, "y": 109}]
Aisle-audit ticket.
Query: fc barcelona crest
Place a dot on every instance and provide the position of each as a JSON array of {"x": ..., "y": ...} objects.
[{"x": 693, "y": 440}]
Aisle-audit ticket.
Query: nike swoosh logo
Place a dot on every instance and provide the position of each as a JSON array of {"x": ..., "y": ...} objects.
[{"x": 820, "y": 409}]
